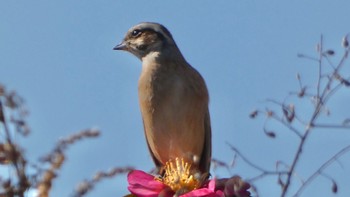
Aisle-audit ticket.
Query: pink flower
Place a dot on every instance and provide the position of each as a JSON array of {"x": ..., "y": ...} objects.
[{"x": 142, "y": 184}]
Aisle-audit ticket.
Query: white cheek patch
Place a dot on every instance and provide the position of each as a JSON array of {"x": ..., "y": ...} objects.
[{"x": 138, "y": 42}]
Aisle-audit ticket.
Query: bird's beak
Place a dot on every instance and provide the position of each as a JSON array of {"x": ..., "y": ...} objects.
[{"x": 121, "y": 46}]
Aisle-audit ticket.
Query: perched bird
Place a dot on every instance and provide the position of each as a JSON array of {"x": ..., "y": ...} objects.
[{"x": 173, "y": 98}]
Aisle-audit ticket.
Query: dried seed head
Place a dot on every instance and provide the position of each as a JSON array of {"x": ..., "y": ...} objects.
[
  {"x": 334, "y": 187},
  {"x": 270, "y": 134},
  {"x": 83, "y": 188},
  {"x": 330, "y": 52},
  {"x": 345, "y": 42},
  {"x": 48, "y": 176},
  {"x": 302, "y": 91},
  {"x": 58, "y": 160},
  {"x": 253, "y": 114},
  {"x": 98, "y": 176}
]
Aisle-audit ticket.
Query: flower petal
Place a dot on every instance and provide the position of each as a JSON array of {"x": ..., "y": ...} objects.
[
  {"x": 144, "y": 185},
  {"x": 200, "y": 193},
  {"x": 211, "y": 185},
  {"x": 205, "y": 192}
]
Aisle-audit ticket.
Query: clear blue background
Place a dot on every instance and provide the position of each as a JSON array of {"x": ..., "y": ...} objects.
[{"x": 58, "y": 55}]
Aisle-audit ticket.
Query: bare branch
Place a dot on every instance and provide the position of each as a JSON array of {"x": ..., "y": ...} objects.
[
  {"x": 322, "y": 97},
  {"x": 331, "y": 126},
  {"x": 263, "y": 171},
  {"x": 322, "y": 168}
]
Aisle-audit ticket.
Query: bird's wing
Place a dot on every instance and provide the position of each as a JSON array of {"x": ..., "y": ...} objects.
[
  {"x": 159, "y": 169},
  {"x": 205, "y": 161}
]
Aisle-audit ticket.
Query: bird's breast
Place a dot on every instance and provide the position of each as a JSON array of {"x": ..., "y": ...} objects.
[{"x": 173, "y": 111}]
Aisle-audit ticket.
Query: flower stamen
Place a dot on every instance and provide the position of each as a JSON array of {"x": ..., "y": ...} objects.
[{"x": 180, "y": 177}]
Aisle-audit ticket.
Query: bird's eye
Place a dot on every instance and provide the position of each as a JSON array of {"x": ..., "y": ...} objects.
[{"x": 135, "y": 33}]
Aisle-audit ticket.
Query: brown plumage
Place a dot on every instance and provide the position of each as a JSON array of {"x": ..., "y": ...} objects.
[{"x": 173, "y": 98}]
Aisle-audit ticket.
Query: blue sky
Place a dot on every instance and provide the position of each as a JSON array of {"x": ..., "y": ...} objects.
[{"x": 58, "y": 55}]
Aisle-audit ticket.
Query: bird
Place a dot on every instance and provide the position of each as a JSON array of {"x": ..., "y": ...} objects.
[{"x": 173, "y": 98}]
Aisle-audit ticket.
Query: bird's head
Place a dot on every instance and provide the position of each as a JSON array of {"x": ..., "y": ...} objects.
[{"x": 145, "y": 38}]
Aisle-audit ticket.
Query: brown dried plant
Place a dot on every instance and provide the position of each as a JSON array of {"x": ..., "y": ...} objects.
[
  {"x": 11, "y": 154},
  {"x": 13, "y": 125}
]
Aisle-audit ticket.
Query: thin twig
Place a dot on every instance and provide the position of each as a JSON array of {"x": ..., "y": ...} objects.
[
  {"x": 245, "y": 159},
  {"x": 263, "y": 171},
  {"x": 322, "y": 168},
  {"x": 321, "y": 100},
  {"x": 320, "y": 50},
  {"x": 332, "y": 126},
  {"x": 289, "y": 126},
  {"x": 283, "y": 121}
]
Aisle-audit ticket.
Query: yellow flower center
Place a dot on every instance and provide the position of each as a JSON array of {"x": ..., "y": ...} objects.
[{"x": 179, "y": 176}]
